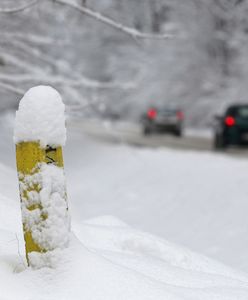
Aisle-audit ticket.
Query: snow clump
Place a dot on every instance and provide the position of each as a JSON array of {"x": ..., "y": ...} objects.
[
  {"x": 40, "y": 117},
  {"x": 49, "y": 220}
]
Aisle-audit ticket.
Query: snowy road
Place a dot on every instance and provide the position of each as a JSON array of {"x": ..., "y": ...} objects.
[{"x": 131, "y": 134}]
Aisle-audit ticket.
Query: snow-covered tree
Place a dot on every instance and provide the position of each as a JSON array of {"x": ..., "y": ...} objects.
[{"x": 94, "y": 52}]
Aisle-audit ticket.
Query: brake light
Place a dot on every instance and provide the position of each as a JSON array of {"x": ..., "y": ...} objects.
[
  {"x": 152, "y": 113},
  {"x": 229, "y": 121},
  {"x": 180, "y": 115}
]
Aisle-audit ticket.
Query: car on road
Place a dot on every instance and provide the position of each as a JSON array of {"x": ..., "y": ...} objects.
[
  {"x": 232, "y": 127},
  {"x": 167, "y": 120}
]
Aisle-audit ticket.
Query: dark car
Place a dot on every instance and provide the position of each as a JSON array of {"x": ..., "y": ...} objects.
[
  {"x": 168, "y": 120},
  {"x": 232, "y": 127}
]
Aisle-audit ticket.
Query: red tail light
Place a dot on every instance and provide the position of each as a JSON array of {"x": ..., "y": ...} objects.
[
  {"x": 180, "y": 115},
  {"x": 229, "y": 121},
  {"x": 152, "y": 113}
]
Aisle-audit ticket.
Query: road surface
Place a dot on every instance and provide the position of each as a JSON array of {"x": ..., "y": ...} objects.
[{"x": 130, "y": 133}]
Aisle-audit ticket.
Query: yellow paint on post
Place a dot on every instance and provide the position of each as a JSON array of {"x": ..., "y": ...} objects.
[{"x": 29, "y": 156}]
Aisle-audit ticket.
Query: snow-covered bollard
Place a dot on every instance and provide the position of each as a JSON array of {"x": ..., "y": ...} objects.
[{"x": 39, "y": 135}]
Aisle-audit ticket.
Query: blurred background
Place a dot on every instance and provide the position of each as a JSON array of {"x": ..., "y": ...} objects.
[{"x": 202, "y": 69}]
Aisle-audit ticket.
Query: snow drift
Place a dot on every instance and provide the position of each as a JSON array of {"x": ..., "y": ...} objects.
[{"x": 108, "y": 259}]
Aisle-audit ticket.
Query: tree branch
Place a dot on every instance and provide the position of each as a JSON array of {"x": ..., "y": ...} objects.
[
  {"x": 112, "y": 23},
  {"x": 18, "y": 9},
  {"x": 20, "y": 63},
  {"x": 12, "y": 88},
  {"x": 58, "y": 80},
  {"x": 134, "y": 33}
]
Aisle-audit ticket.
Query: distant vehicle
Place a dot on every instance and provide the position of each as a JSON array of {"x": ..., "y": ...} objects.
[
  {"x": 232, "y": 127},
  {"x": 163, "y": 120}
]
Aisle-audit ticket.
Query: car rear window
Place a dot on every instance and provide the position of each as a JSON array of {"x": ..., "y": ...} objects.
[
  {"x": 242, "y": 112},
  {"x": 236, "y": 111}
]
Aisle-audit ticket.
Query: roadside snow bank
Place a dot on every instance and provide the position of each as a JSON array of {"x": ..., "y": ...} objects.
[
  {"x": 196, "y": 199},
  {"x": 41, "y": 117},
  {"x": 110, "y": 260}
]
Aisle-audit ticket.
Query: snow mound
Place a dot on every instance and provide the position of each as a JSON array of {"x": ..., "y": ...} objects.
[
  {"x": 110, "y": 260},
  {"x": 40, "y": 117}
]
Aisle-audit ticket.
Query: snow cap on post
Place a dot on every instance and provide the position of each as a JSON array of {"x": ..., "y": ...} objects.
[{"x": 40, "y": 117}]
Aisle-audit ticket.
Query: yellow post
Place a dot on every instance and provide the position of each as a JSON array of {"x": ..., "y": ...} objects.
[
  {"x": 39, "y": 134},
  {"x": 29, "y": 156}
]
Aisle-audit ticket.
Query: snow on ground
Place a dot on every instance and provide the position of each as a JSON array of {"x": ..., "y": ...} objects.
[
  {"x": 189, "y": 198},
  {"x": 198, "y": 199},
  {"x": 110, "y": 260}
]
